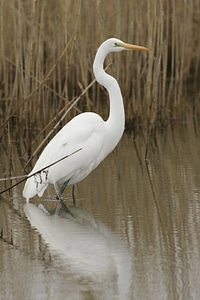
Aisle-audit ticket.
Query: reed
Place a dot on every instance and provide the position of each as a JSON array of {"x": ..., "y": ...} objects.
[{"x": 47, "y": 50}]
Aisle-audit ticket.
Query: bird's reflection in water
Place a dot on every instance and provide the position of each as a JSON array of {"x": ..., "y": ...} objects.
[{"x": 89, "y": 250}]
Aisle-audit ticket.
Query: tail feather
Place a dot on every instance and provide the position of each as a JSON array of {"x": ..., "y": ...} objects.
[{"x": 35, "y": 185}]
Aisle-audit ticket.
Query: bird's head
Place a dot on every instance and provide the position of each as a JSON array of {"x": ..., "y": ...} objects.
[{"x": 116, "y": 45}]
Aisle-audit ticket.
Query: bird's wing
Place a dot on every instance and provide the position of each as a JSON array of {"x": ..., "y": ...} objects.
[
  {"x": 84, "y": 134},
  {"x": 86, "y": 131}
]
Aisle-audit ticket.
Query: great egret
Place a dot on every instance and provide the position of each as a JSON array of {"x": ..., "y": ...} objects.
[{"x": 87, "y": 131}]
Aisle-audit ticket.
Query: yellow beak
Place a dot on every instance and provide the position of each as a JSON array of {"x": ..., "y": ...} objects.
[{"x": 132, "y": 47}]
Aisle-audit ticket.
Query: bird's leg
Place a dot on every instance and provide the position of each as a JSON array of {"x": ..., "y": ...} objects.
[
  {"x": 59, "y": 196},
  {"x": 73, "y": 194},
  {"x": 60, "y": 192},
  {"x": 66, "y": 209}
]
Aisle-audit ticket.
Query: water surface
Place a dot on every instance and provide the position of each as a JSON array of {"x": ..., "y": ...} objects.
[{"x": 135, "y": 234}]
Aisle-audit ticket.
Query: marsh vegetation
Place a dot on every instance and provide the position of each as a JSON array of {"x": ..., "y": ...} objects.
[
  {"x": 46, "y": 55},
  {"x": 47, "y": 50}
]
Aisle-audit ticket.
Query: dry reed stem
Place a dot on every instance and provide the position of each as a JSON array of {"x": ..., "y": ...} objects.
[
  {"x": 25, "y": 177},
  {"x": 47, "y": 51}
]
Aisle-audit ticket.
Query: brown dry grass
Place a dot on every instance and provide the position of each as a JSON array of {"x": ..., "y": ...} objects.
[{"x": 47, "y": 50}]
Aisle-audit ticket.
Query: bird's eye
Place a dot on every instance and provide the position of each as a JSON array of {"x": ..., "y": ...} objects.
[{"x": 116, "y": 45}]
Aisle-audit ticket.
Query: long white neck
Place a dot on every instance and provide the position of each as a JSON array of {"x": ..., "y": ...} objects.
[{"x": 116, "y": 121}]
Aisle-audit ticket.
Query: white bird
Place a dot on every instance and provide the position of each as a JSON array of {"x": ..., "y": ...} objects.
[{"x": 87, "y": 132}]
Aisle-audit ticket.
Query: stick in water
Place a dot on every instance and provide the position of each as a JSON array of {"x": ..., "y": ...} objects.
[{"x": 28, "y": 176}]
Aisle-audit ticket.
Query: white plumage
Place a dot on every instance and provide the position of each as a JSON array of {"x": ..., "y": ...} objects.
[{"x": 88, "y": 131}]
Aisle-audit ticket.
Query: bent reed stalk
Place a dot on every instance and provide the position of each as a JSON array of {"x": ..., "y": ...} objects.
[{"x": 47, "y": 51}]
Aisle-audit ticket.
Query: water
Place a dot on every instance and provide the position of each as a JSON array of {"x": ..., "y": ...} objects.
[{"x": 134, "y": 235}]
